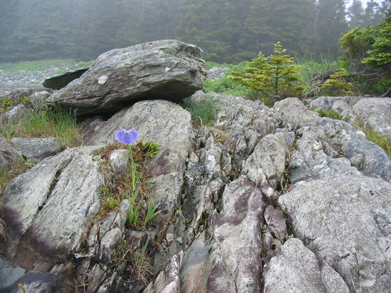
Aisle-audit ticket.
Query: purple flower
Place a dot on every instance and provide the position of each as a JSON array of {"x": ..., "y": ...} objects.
[{"x": 126, "y": 136}]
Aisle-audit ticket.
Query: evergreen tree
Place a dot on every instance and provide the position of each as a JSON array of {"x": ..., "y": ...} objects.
[
  {"x": 269, "y": 76},
  {"x": 381, "y": 49}
]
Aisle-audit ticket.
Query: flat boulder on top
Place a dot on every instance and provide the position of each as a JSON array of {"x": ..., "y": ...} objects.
[{"x": 168, "y": 69}]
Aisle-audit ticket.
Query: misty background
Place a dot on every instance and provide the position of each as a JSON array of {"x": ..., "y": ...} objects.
[{"x": 227, "y": 30}]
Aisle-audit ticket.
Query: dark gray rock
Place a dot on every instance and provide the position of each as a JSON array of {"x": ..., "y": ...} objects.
[
  {"x": 9, "y": 274},
  {"x": 276, "y": 222},
  {"x": 168, "y": 69},
  {"x": 36, "y": 149},
  {"x": 235, "y": 260},
  {"x": 59, "y": 81}
]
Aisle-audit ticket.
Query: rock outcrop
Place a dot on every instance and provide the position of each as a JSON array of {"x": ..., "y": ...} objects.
[
  {"x": 368, "y": 112},
  {"x": 264, "y": 200},
  {"x": 168, "y": 69}
]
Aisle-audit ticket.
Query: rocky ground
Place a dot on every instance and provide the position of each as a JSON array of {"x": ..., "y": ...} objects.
[
  {"x": 35, "y": 77},
  {"x": 264, "y": 200}
]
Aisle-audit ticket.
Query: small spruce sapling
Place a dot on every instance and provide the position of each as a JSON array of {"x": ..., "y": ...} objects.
[{"x": 269, "y": 75}]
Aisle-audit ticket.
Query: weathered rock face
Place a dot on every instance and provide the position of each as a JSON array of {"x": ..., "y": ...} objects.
[
  {"x": 50, "y": 208},
  {"x": 345, "y": 221},
  {"x": 301, "y": 271},
  {"x": 266, "y": 200},
  {"x": 17, "y": 90},
  {"x": 168, "y": 69},
  {"x": 376, "y": 112}
]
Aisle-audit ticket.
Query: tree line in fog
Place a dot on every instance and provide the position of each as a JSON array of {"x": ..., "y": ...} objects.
[{"x": 227, "y": 30}]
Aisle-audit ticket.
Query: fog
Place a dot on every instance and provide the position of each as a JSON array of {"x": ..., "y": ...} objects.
[{"x": 227, "y": 30}]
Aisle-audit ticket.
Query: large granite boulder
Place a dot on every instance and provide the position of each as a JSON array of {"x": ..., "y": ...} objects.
[{"x": 167, "y": 69}]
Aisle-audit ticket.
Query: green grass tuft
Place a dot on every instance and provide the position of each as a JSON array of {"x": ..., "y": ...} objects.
[
  {"x": 331, "y": 114},
  {"x": 203, "y": 112},
  {"x": 44, "y": 122}
]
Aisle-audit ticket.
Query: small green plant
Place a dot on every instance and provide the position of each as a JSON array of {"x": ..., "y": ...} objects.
[
  {"x": 150, "y": 213},
  {"x": 134, "y": 210},
  {"x": 134, "y": 185},
  {"x": 270, "y": 76},
  {"x": 151, "y": 148},
  {"x": 337, "y": 85},
  {"x": 8, "y": 103},
  {"x": 331, "y": 114}
]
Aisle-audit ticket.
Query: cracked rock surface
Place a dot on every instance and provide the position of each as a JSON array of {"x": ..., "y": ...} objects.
[{"x": 265, "y": 200}]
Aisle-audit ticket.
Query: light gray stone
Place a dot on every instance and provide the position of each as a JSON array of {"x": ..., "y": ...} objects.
[
  {"x": 50, "y": 207},
  {"x": 296, "y": 269},
  {"x": 293, "y": 115},
  {"x": 376, "y": 112},
  {"x": 268, "y": 160},
  {"x": 119, "y": 161},
  {"x": 369, "y": 158},
  {"x": 15, "y": 114},
  {"x": 343, "y": 109},
  {"x": 322, "y": 103},
  {"x": 109, "y": 243},
  {"x": 343, "y": 221}
]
